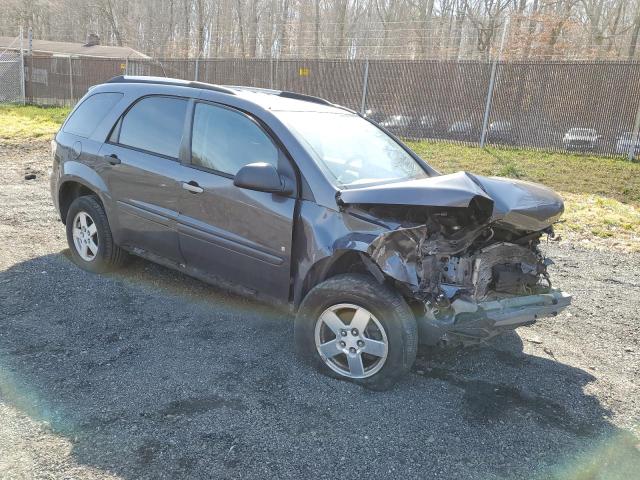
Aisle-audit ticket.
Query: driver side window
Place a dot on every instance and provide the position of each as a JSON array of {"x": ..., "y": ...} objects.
[{"x": 225, "y": 140}]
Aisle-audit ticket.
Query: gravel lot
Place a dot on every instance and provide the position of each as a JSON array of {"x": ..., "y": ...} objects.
[{"x": 150, "y": 374}]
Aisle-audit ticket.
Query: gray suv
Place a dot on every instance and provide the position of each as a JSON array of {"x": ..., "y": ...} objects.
[{"x": 297, "y": 201}]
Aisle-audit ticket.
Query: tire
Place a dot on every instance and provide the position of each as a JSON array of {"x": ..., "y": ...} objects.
[
  {"x": 391, "y": 321},
  {"x": 107, "y": 256}
]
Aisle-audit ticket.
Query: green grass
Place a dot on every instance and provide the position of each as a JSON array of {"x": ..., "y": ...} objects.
[
  {"x": 606, "y": 221},
  {"x": 602, "y": 194},
  {"x": 20, "y": 123},
  {"x": 609, "y": 177}
]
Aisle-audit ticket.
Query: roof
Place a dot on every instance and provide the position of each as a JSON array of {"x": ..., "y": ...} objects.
[
  {"x": 282, "y": 100},
  {"x": 72, "y": 49},
  {"x": 276, "y": 100}
]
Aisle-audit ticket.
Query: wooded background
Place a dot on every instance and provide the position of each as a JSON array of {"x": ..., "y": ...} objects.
[{"x": 356, "y": 29}]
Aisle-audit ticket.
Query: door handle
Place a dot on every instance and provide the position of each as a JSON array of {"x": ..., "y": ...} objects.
[
  {"x": 192, "y": 187},
  {"x": 113, "y": 159}
]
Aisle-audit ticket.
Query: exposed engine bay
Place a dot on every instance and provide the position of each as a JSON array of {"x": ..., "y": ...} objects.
[{"x": 479, "y": 263}]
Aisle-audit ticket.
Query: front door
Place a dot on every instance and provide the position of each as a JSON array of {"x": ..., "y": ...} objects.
[
  {"x": 143, "y": 172},
  {"x": 239, "y": 235}
]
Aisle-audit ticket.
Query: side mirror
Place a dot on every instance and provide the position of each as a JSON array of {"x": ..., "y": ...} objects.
[{"x": 262, "y": 177}]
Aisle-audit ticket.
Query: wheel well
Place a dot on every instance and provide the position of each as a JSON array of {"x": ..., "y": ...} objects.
[
  {"x": 69, "y": 191},
  {"x": 347, "y": 262}
]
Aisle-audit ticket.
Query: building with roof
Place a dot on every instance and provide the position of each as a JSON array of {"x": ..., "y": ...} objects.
[{"x": 92, "y": 48}]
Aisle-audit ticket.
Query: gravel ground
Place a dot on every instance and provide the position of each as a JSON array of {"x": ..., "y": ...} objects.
[{"x": 150, "y": 374}]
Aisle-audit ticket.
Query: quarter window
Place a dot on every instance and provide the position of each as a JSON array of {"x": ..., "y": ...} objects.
[
  {"x": 225, "y": 140},
  {"x": 155, "y": 124},
  {"x": 90, "y": 113}
]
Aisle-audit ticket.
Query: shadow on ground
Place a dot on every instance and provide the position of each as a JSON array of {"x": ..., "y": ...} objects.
[{"x": 151, "y": 374}]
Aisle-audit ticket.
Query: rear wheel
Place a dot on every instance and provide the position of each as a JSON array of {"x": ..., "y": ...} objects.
[
  {"x": 354, "y": 328},
  {"x": 89, "y": 236}
]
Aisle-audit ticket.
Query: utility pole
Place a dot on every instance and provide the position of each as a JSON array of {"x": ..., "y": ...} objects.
[{"x": 492, "y": 83}]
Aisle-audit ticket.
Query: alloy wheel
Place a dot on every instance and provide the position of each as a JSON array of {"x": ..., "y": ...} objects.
[
  {"x": 85, "y": 236},
  {"x": 351, "y": 341}
]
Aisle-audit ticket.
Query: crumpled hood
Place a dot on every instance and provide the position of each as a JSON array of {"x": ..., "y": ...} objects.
[
  {"x": 522, "y": 205},
  {"x": 454, "y": 190}
]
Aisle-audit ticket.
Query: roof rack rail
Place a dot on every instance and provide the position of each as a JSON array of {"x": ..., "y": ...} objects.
[
  {"x": 169, "y": 81},
  {"x": 282, "y": 93},
  {"x": 242, "y": 88},
  {"x": 306, "y": 98}
]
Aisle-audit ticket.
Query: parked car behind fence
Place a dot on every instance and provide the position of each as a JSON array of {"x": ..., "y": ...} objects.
[
  {"x": 501, "y": 132},
  {"x": 582, "y": 139},
  {"x": 625, "y": 142},
  {"x": 462, "y": 130}
]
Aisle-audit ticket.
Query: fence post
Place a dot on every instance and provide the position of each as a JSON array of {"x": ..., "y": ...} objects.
[
  {"x": 126, "y": 65},
  {"x": 492, "y": 82},
  {"x": 271, "y": 84},
  {"x": 71, "y": 79},
  {"x": 29, "y": 81},
  {"x": 365, "y": 87},
  {"x": 634, "y": 136},
  {"x": 197, "y": 68},
  {"x": 22, "y": 77}
]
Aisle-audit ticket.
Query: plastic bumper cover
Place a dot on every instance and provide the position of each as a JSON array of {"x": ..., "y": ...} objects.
[{"x": 493, "y": 317}]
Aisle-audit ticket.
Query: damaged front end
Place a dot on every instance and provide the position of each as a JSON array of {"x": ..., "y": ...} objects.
[{"x": 465, "y": 250}]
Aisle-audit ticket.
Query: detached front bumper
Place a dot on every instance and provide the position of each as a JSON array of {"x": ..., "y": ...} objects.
[{"x": 492, "y": 318}]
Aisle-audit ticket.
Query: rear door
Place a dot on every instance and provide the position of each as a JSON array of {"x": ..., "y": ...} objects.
[
  {"x": 142, "y": 155},
  {"x": 240, "y": 235}
]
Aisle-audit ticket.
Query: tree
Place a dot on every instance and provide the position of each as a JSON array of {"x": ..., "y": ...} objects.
[{"x": 458, "y": 29}]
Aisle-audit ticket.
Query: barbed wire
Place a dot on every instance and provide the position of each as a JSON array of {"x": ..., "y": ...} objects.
[{"x": 404, "y": 43}]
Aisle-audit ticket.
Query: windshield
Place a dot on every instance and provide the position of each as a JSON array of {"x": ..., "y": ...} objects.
[{"x": 351, "y": 150}]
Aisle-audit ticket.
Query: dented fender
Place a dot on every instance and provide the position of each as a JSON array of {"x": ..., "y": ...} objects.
[{"x": 321, "y": 236}]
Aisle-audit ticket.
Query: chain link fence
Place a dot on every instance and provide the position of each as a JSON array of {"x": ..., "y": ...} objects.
[
  {"x": 11, "y": 82},
  {"x": 558, "y": 106}
]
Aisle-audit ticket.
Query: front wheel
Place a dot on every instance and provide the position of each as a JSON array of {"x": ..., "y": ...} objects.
[{"x": 354, "y": 328}]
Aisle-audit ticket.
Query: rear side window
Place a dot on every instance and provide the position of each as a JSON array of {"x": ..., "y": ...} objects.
[
  {"x": 155, "y": 124},
  {"x": 90, "y": 113},
  {"x": 225, "y": 140}
]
